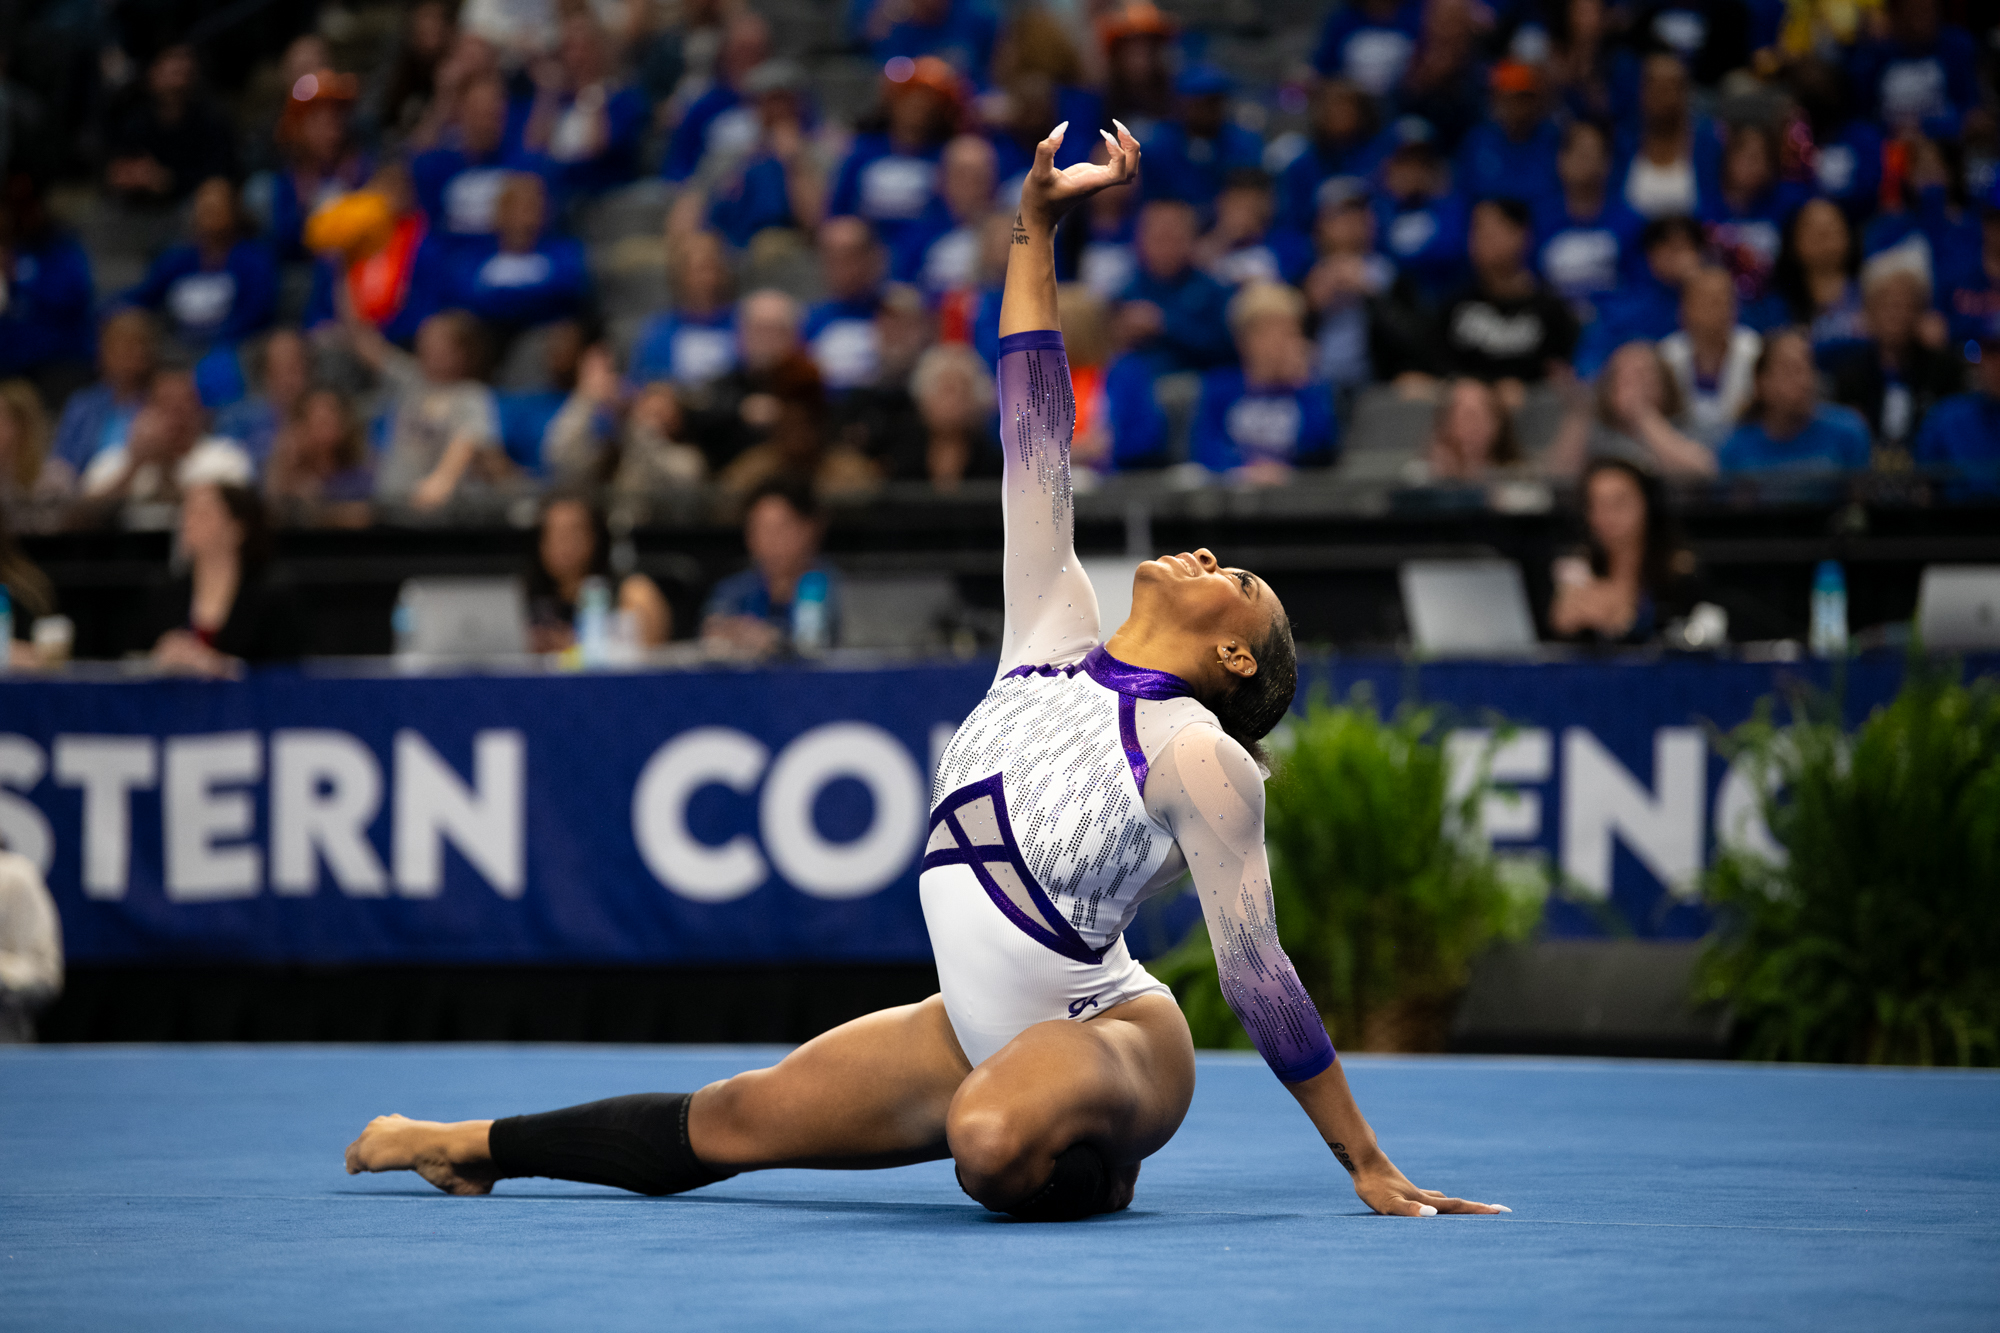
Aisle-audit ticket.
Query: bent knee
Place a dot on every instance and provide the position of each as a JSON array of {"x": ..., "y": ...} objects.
[
  {"x": 726, "y": 1120},
  {"x": 1000, "y": 1155}
]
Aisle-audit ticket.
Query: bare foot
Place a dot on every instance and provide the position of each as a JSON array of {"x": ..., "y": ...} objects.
[{"x": 452, "y": 1157}]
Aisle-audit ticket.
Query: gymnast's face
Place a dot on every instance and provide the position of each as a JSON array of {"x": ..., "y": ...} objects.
[{"x": 1200, "y": 597}]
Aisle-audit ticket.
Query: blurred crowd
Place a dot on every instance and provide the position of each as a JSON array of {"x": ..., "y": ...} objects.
[{"x": 623, "y": 248}]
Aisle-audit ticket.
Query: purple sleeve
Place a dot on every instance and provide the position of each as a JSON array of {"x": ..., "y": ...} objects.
[
  {"x": 1051, "y": 607},
  {"x": 1208, "y": 790}
]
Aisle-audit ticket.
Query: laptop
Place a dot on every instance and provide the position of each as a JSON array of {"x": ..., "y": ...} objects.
[
  {"x": 1467, "y": 608},
  {"x": 467, "y": 617},
  {"x": 1958, "y": 608}
]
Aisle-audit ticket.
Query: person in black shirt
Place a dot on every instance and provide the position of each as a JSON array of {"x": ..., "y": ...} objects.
[
  {"x": 226, "y": 610},
  {"x": 171, "y": 138},
  {"x": 1894, "y": 376},
  {"x": 1506, "y": 326}
]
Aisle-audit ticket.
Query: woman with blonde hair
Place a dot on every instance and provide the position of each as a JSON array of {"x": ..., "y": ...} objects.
[
  {"x": 1266, "y": 417},
  {"x": 955, "y": 397},
  {"x": 29, "y": 478}
]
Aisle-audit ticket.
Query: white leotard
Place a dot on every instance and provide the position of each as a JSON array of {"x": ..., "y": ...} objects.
[{"x": 1080, "y": 785}]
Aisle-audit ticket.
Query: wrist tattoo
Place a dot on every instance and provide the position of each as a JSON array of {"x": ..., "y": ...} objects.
[
  {"x": 1340, "y": 1154},
  {"x": 1020, "y": 231}
]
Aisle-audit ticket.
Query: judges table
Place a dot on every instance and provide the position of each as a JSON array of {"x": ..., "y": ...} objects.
[{"x": 721, "y": 816}]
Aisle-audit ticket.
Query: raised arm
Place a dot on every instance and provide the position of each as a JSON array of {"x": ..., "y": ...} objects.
[
  {"x": 1051, "y": 607},
  {"x": 1206, "y": 788}
]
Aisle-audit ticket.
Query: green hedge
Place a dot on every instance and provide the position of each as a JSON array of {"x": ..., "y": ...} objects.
[{"x": 1875, "y": 934}]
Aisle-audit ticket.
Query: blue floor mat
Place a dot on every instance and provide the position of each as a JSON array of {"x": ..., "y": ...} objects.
[{"x": 201, "y": 1187}]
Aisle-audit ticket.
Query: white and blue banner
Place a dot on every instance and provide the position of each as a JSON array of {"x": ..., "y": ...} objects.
[{"x": 713, "y": 816}]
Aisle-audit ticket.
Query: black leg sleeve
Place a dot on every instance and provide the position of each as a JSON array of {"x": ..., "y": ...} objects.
[
  {"x": 638, "y": 1143},
  {"x": 1080, "y": 1187}
]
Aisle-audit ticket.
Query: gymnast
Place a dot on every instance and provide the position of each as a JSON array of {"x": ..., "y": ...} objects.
[{"x": 1051, "y": 1064}]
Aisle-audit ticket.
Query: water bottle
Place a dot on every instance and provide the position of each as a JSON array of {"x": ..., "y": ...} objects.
[
  {"x": 593, "y": 622},
  {"x": 1829, "y": 610},
  {"x": 403, "y": 624},
  {"x": 6, "y": 627},
  {"x": 809, "y": 627}
]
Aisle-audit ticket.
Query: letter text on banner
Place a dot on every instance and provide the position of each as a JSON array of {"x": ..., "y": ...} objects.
[
  {"x": 23, "y": 827},
  {"x": 697, "y": 758},
  {"x": 202, "y": 805},
  {"x": 109, "y": 769},
  {"x": 1663, "y": 827},
  {"x": 824, "y": 869},
  {"x": 485, "y": 821},
  {"x": 326, "y": 789}
]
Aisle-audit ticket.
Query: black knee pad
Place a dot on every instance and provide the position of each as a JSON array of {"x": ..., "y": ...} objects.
[
  {"x": 1080, "y": 1187},
  {"x": 638, "y": 1143}
]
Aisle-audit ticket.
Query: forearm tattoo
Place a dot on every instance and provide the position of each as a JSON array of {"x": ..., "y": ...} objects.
[
  {"x": 1340, "y": 1155},
  {"x": 1020, "y": 231}
]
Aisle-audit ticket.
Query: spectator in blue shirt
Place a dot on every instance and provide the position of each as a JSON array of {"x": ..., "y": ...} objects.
[
  {"x": 282, "y": 375},
  {"x": 588, "y": 122},
  {"x": 45, "y": 329},
  {"x": 523, "y": 276},
  {"x": 220, "y": 286},
  {"x": 1668, "y": 163},
  {"x": 1786, "y": 428},
  {"x": 941, "y": 253},
  {"x": 1847, "y": 146},
  {"x": 1647, "y": 305},
  {"x": 1190, "y": 156},
  {"x": 1262, "y": 420},
  {"x": 1923, "y": 75},
  {"x": 717, "y": 122},
  {"x": 1969, "y": 289},
  {"x": 777, "y": 184},
  {"x": 1370, "y": 43},
  {"x": 1172, "y": 313},
  {"x": 840, "y": 331},
  {"x": 1347, "y": 148},
  {"x": 890, "y": 177},
  {"x": 1961, "y": 435},
  {"x": 1246, "y": 244},
  {"x": 525, "y": 414},
  {"x": 1445, "y": 85},
  {"x": 1585, "y": 239},
  {"x": 1710, "y": 37},
  {"x": 1746, "y": 217},
  {"x": 458, "y": 183},
  {"x": 1512, "y": 153},
  {"x": 1371, "y": 323},
  {"x": 1422, "y": 221},
  {"x": 1138, "y": 43},
  {"x": 752, "y": 611},
  {"x": 1595, "y": 76},
  {"x": 694, "y": 342},
  {"x": 97, "y": 418},
  {"x": 958, "y": 32}
]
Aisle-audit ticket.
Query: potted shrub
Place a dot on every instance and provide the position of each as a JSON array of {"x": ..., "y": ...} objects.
[{"x": 1872, "y": 933}]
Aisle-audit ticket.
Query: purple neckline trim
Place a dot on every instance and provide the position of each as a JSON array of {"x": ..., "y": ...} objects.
[
  {"x": 1139, "y": 682},
  {"x": 1034, "y": 340}
]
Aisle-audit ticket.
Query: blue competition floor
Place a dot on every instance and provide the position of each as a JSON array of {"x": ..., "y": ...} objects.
[{"x": 165, "y": 1188}]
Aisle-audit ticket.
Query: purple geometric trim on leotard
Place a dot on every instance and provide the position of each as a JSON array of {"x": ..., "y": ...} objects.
[
  {"x": 1140, "y": 682},
  {"x": 1046, "y": 669},
  {"x": 1034, "y": 340},
  {"x": 1051, "y": 930},
  {"x": 1128, "y": 736}
]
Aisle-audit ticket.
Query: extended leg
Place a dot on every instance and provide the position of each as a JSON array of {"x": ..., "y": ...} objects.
[
  {"x": 1055, "y": 1124},
  {"x": 870, "y": 1093}
]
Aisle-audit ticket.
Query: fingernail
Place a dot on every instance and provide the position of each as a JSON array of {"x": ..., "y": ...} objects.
[
  {"x": 1503, "y": 1208},
  {"x": 1057, "y": 132},
  {"x": 1427, "y": 1211},
  {"x": 1121, "y": 128},
  {"x": 1108, "y": 139}
]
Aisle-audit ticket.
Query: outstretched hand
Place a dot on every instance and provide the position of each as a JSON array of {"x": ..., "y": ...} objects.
[
  {"x": 1048, "y": 193},
  {"x": 1389, "y": 1192}
]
